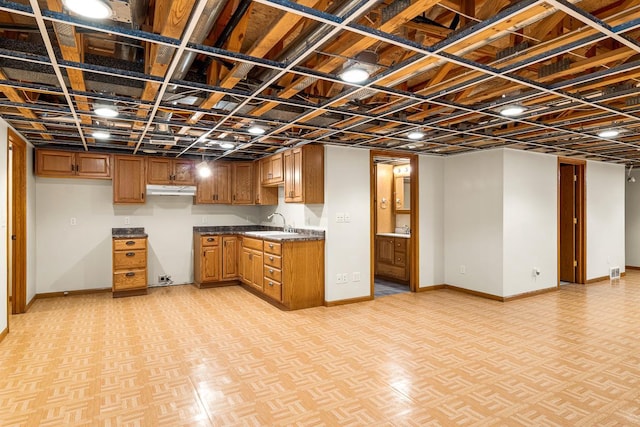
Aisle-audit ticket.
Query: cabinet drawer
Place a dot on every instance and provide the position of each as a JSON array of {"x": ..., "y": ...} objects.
[
  {"x": 272, "y": 248},
  {"x": 126, "y": 244},
  {"x": 210, "y": 240},
  {"x": 400, "y": 259},
  {"x": 252, "y": 243},
  {"x": 273, "y": 289},
  {"x": 272, "y": 273},
  {"x": 273, "y": 261},
  {"x": 400, "y": 244},
  {"x": 392, "y": 271},
  {"x": 132, "y": 279},
  {"x": 126, "y": 260}
]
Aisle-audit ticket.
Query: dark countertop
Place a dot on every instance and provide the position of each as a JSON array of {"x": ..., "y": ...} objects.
[
  {"x": 128, "y": 233},
  {"x": 303, "y": 234}
]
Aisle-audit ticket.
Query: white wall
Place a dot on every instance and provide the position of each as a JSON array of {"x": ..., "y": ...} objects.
[
  {"x": 632, "y": 221},
  {"x": 431, "y": 221},
  {"x": 530, "y": 226},
  {"x": 31, "y": 227},
  {"x": 473, "y": 221},
  {"x": 297, "y": 215},
  {"x": 347, "y": 245},
  {"x": 605, "y": 184},
  {"x": 79, "y": 257},
  {"x": 4, "y": 299}
]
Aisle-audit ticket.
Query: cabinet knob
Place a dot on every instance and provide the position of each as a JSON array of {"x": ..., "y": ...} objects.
[
  {"x": 270, "y": 283},
  {"x": 210, "y": 239},
  {"x": 130, "y": 253},
  {"x": 270, "y": 258},
  {"x": 130, "y": 274},
  {"x": 271, "y": 270},
  {"x": 270, "y": 245},
  {"x": 130, "y": 243}
]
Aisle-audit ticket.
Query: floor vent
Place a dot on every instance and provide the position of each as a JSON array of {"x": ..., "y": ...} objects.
[{"x": 614, "y": 273}]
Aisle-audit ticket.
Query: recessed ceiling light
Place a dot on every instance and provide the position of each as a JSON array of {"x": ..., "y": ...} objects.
[
  {"x": 608, "y": 133},
  {"x": 512, "y": 110},
  {"x": 256, "y": 130},
  {"x": 411, "y": 146},
  {"x": 226, "y": 144},
  {"x": 354, "y": 74},
  {"x": 94, "y": 9},
  {"x": 359, "y": 69},
  {"x": 416, "y": 134},
  {"x": 100, "y": 134},
  {"x": 106, "y": 110}
]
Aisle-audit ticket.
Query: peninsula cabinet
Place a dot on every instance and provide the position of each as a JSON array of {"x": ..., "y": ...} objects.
[
  {"x": 69, "y": 164},
  {"x": 304, "y": 174},
  {"x": 216, "y": 188},
  {"x": 162, "y": 171},
  {"x": 215, "y": 260},
  {"x": 128, "y": 179},
  {"x": 129, "y": 266}
]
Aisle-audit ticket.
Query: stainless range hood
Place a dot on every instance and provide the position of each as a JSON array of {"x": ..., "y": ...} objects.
[{"x": 171, "y": 190}]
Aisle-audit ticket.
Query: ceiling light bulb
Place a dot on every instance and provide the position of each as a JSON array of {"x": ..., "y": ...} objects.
[
  {"x": 354, "y": 74},
  {"x": 256, "y": 130},
  {"x": 100, "y": 134},
  {"x": 416, "y": 134},
  {"x": 106, "y": 110},
  {"x": 513, "y": 110},
  {"x": 94, "y": 9},
  {"x": 226, "y": 144},
  {"x": 608, "y": 133},
  {"x": 203, "y": 169}
]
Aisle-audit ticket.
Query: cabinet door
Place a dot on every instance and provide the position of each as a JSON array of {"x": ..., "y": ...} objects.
[
  {"x": 128, "y": 179},
  {"x": 262, "y": 195},
  {"x": 210, "y": 264},
  {"x": 89, "y": 165},
  {"x": 229, "y": 257},
  {"x": 205, "y": 190},
  {"x": 246, "y": 266},
  {"x": 183, "y": 172},
  {"x": 257, "y": 272},
  {"x": 158, "y": 171},
  {"x": 288, "y": 175},
  {"x": 293, "y": 175},
  {"x": 243, "y": 183},
  {"x": 55, "y": 163},
  {"x": 222, "y": 183},
  {"x": 276, "y": 168},
  {"x": 385, "y": 250}
]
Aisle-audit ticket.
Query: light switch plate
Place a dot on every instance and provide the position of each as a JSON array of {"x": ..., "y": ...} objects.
[
  {"x": 340, "y": 217},
  {"x": 347, "y": 217}
]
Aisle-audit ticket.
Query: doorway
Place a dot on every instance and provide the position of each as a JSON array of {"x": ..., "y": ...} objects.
[
  {"x": 394, "y": 224},
  {"x": 17, "y": 221},
  {"x": 571, "y": 221}
]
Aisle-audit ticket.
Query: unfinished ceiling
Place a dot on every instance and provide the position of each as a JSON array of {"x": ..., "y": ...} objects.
[{"x": 186, "y": 75}]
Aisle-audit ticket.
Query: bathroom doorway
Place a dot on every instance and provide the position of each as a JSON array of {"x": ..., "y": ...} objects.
[{"x": 394, "y": 224}]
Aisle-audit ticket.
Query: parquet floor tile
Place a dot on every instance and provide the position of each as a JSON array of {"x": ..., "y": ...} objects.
[{"x": 183, "y": 356}]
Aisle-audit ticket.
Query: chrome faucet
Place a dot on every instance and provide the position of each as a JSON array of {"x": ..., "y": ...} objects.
[
  {"x": 407, "y": 230},
  {"x": 287, "y": 228}
]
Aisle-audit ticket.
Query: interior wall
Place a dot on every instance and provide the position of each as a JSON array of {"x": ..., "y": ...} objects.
[
  {"x": 530, "y": 215},
  {"x": 4, "y": 298},
  {"x": 79, "y": 257},
  {"x": 431, "y": 220},
  {"x": 605, "y": 184},
  {"x": 347, "y": 245},
  {"x": 298, "y": 215},
  {"x": 473, "y": 234},
  {"x": 31, "y": 227},
  {"x": 632, "y": 221}
]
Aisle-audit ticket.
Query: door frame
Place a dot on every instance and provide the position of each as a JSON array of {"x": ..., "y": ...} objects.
[
  {"x": 413, "y": 240},
  {"x": 581, "y": 215},
  {"x": 17, "y": 148}
]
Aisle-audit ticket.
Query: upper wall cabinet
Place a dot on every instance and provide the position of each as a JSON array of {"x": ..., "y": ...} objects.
[
  {"x": 304, "y": 174},
  {"x": 67, "y": 164},
  {"x": 262, "y": 195},
  {"x": 161, "y": 171},
  {"x": 272, "y": 170},
  {"x": 242, "y": 185},
  {"x": 128, "y": 179},
  {"x": 216, "y": 188}
]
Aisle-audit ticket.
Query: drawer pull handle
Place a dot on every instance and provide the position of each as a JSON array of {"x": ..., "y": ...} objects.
[
  {"x": 270, "y": 283},
  {"x": 271, "y": 270},
  {"x": 270, "y": 245},
  {"x": 130, "y": 274},
  {"x": 210, "y": 239},
  {"x": 130, "y": 243},
  {"x": 131, "y": 253},
  {"x": 270, "y": 258}
]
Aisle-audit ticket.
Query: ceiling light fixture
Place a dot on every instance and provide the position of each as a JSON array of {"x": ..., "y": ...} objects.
[
  {"x": 203, "y": 169},
  {"x": 359, "y": 69},
  {"x": 256, "y": 130},
  {"x": 512, "y": 110},
  {"x": 630, "y": 179},
  {"x": 227, "y": 144},
  {"x": 609, "y": 133},
  {"x": 93, "y": 9},
  {"x": 100, "y": 134},
  {"x": 416, "y": 134},
  {"x": 104, "y": 109}
]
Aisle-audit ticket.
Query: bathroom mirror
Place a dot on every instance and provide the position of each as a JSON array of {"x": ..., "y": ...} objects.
[{"x": 402, "y": 194}]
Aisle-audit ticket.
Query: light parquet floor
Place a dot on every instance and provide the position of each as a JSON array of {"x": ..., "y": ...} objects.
[{"x": 182, "y": 356}]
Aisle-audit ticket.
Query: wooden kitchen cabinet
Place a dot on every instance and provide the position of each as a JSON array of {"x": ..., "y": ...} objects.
[
  {"x": 251, "y": 263},
  {"x": 392, "y": 254},
  {"x": 129, "y": 266},
  {"x": 304, "y": 174},
  {"x": 272, "y": 170},
  {"x": 262, "y": 195},
  {"x": 215, "y": 260},
  {"x": 242, "y": 183},
  {"x": 69, "y": 164},
  {"x": 163, "y": 171},
  {"x": 230, "y": 258},
  {"x": 216, "y": 188},
  {"x": 128, "y": 179}
]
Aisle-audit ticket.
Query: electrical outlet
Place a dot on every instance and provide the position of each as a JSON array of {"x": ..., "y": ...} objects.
[
  {"x": 463, "y": 269},
  {"x": 339, "y": 279},
  {"x": 345, "y": 277},
  {"x": 340, "y": 217},
  {"x": 356, "y": 276},
  {"x": 347, "y": 217},
  {"x": 127, "y": 220},
  {"x": 73, "y": 221}
]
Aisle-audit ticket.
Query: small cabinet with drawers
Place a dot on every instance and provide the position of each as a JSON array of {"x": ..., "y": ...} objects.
[
  {"x": 129, "y": 266},
  {"x": 392, "y": 258},
  {"x": 272, "y": 284}
]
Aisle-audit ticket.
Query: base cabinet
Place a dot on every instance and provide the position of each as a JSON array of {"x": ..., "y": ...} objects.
[
  {"x": 391, "y": 258},
  {"x": 129, "y": 266},
  {"x": 215, "y": 260}
]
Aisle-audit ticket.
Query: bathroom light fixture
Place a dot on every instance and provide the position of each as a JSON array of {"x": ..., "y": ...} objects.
[
  {"x": 100, "y": 134},
  {"x": 609, "y": 133},
  {"x": 104, "y": 109},
  {"x": 256, "y": 130},
  {"x": 203, "y": 169},
  {"x": 359, "y": 69},
  {"x": 415, "y": 134},
  {"x": 93, "y": 9},
  {"x": 512, "y": 110}
]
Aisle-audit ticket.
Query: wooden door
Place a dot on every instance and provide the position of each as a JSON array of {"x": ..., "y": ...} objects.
[
  {"x": 183, "y": 172},
  {"x": 18, "y": 242},
  {"x": 90, "y": 165},
  {"x": 128, "y": 179},
  {"x": 210, "y": 264},
  {"x": 159, "y": 171},
  {"x": 243, "y": 183},
  {"x": 568, "y": 221},
  {"x": 222, "y": 183},
  {"x": 55, "y": 163},
  {"x": 229, "y": 257}
]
